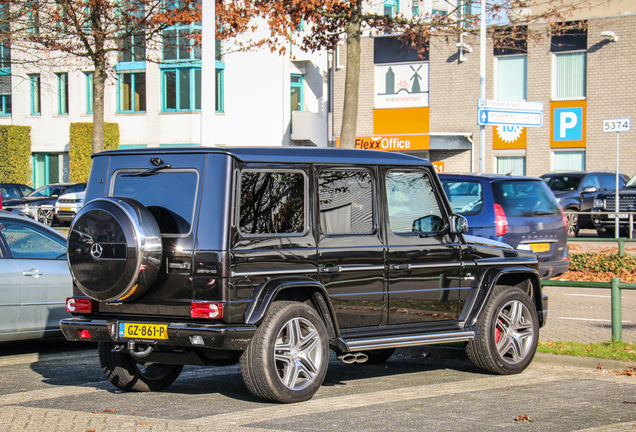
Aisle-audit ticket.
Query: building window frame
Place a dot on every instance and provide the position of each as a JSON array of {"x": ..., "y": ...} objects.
[
  {"x": 296, "y": 86},
  {"x": 579, "y": 81},
  {"x": 173, "y": 97},
  {"x": 131, "y": 92},
  {"x": 391, "y": 8},
  {"x": 90, "y": 76},
  {"x": 502, "y": 83},
  {"x": 36, "y": 94},
  {"x": 567, "y": 155},
  {"x": 62, "y": 93}
]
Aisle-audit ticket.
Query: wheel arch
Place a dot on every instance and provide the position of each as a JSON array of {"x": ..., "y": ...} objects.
[
  {"x": 304, "y": 291},
  {"x": 528, "y": 280}
]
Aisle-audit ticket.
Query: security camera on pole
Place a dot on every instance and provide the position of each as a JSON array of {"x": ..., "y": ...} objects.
[{"x": 618, "y": 126}]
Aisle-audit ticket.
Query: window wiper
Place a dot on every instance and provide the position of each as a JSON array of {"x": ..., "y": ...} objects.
[{"x": 148, "y": 172}]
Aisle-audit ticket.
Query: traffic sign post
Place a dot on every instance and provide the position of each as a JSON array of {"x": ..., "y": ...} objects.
[
  {"x": 618, "y": 126},
  {"x": 509, "y": 113}
]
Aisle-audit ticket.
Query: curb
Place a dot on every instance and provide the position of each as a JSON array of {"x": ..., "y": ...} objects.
[{"x": 452, "y": 353}]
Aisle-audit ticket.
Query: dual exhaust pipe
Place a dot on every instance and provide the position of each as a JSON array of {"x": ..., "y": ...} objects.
[{"x": 349, "y": 358}]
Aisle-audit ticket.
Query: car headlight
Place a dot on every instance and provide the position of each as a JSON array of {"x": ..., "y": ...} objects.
[{"x": 599, "y": 203}]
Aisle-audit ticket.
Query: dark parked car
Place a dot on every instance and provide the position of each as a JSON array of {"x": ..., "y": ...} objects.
[
  {"x": 519, "y": 211},
  {"x": 270, "y": 257},
  {"x": 576, "y": 191},
  {"x": 14, "y": 190},
  {"x": 34, "y": 279},
  {"x": 39, "y": 204},
  {"x": 605, "y": 224}
]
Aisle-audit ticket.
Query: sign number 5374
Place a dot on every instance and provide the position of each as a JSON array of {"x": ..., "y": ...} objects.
[{"x": 616, "y": 125}]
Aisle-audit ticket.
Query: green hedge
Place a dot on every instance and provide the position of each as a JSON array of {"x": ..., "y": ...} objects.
[
  {"x": 15, "y": 154},
  {"x": 81, "y": 147}
]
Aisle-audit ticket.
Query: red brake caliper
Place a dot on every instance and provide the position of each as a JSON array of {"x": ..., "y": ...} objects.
[{"x": 497, "y": 333}]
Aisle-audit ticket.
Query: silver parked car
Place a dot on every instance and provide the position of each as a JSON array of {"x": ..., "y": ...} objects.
[{"x": 34, "y": 279}]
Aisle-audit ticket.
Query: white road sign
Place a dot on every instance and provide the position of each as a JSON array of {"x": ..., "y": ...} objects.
[
  {"x": 617, "y": 125},
  {"x": 509, "y": 113}
]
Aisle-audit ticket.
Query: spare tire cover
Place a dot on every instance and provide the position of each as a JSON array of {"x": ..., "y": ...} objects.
[{"x": 114, "y": 249}]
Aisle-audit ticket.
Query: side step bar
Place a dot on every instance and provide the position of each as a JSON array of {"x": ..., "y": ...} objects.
[{"x": 407, "y": 340}]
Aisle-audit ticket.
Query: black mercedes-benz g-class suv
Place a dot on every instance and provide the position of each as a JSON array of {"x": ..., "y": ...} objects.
[{"x": 272, "y": 257}]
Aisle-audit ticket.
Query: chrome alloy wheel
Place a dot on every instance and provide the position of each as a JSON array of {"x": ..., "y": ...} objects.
[
  {"x": 298, "y": 353},
  {"x": 514, "y": 332}
]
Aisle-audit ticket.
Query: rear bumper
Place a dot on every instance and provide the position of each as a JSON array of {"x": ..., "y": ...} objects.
[{"x": 214, "y": 336}]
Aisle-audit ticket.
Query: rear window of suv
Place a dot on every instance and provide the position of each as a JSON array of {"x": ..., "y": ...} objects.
[
  {"x": 525, "y": 198},
  {"x": 170, "y": 196}
]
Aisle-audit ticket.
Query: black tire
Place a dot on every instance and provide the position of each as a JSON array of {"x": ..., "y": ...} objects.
[
  {"x": 125, "y": 373},
  {"x": 121, "y": 260},
  {"x": 280, "y": 366},
  {"x": 573, "y": 223},
  {"x": 507, "y": 333},
  {"x": 378, "y": 356}
]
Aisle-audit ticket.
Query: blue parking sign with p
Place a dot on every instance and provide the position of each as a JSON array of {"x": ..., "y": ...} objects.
[{"x": 568, "y": 124}]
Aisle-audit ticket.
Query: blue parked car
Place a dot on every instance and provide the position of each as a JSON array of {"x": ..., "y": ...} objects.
[{"x": 520, "y": 211}]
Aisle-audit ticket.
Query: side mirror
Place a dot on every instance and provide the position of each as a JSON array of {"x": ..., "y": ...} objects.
[
  {"x": 590, "y": 189},
  {"x": 458, "y": 224},
  {"x": 429, "y": 224}
]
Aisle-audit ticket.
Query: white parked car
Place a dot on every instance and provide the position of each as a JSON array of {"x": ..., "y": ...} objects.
[{"x": 68, "y": 205}]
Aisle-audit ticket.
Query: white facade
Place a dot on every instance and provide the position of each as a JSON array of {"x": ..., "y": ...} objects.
[{"x": 255, "y": 94}]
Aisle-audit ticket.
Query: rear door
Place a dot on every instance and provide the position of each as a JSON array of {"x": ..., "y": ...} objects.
[{"x": 351, "y": 254}]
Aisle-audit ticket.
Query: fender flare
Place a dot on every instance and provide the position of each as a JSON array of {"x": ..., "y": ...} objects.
[
  {"x": 490, "y": 279},
  {"x": 305, "y": 288}
]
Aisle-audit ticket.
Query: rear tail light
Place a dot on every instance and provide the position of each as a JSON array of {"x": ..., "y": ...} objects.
[
  {"x": 565, "y": 218},
  {"x": 81, "y": 305},
  {"x": 213, "y": 310},
  {"x": 84, "y": 334},
  {"x": 501, "y": 222}
]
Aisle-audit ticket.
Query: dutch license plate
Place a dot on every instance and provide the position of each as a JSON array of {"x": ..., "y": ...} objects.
[
  {"x": 65, "y": 209},
  {"x": 143, "y": 331},
  {"x": 540, "y": 247},
  {"x": 619, "y": 216}
]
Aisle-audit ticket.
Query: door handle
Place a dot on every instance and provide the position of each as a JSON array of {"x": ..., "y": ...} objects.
[
  {"x": 401, "y": 266},
  {"x": 330, "y": 269},
  {"x": 33, "y": 273}
]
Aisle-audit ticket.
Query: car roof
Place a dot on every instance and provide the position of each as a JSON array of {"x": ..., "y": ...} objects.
[{"x": 286, "y": 154}]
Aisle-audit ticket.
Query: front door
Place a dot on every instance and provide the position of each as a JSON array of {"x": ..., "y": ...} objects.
[{"x": 424, "y": 261}]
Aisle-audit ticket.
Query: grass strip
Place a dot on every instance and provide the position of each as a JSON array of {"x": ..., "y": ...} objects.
[{"x": 613, "y": 350}]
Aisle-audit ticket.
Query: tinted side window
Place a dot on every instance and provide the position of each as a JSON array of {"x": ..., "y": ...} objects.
[
  {"x": 608, "y": 181},
  {"x": 9, "y": 192},
  {"x": 346, "y": 202},
  {"x": 466, "y": 196},
  {"x": 592, "y": 181},
  {"x": 25, "y": 241},
  {"x": 410, "y": 199},
  {"x": 272, "y": 202}
]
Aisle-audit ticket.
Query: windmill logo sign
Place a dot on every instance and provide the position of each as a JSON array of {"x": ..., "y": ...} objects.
[{"x": 401, "y": 85}]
